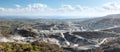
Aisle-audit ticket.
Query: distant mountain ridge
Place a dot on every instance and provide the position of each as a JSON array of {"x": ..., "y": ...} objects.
[{"x": 45, "y": 17}]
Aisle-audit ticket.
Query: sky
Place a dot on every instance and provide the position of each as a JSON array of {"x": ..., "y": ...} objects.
[{"x": 83, "y": 8}]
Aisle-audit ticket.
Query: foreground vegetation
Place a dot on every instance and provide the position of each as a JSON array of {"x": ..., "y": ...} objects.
[{"x": 32, "y": 47}]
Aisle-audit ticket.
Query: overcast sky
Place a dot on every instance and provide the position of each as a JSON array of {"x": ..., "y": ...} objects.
[{"x": 83, "y": 8}]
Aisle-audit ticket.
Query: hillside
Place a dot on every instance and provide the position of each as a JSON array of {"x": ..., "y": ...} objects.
[{"x": 101, "y": 22}]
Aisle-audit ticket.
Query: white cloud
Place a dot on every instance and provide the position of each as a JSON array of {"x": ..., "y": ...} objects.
[
  {"x": 37, "y": 6},
  {"x": 18, "y": 6},
  {"x": 67, "y": 8},
  {"x": 2, "y": 9},
  {"x": 39, "y": 9},
  {"x": 111, "y": 6}
]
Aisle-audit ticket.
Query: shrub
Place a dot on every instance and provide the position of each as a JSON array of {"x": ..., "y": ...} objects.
[{"x": 32, "y": 47}]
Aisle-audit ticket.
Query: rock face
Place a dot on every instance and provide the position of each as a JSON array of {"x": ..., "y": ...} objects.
[
  {"x": 26, "y": 33},
  {"x": 95, "y": 34},
  {"x": 113, "y": 29},
  {"x": 81, "y": 40}
]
